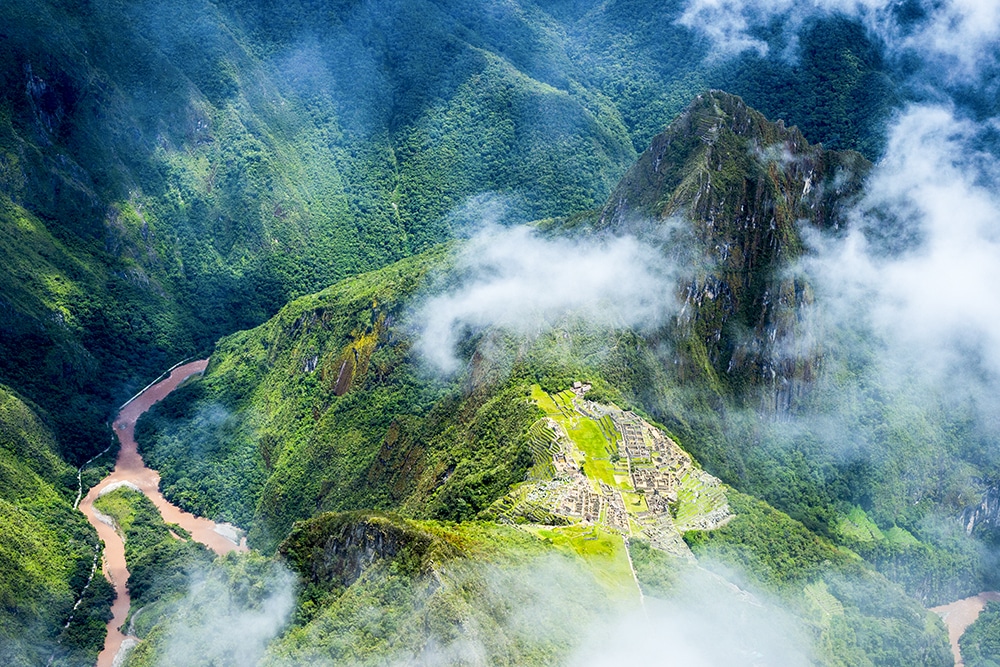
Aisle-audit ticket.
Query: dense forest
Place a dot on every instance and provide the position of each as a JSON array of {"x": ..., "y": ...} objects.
[
  {"x": 408, "y": 235},
  {"x": 166, "y": 185}
]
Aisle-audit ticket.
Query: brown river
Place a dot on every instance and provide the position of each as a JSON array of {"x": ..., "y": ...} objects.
[
  {"x": 959, "y": 615},
  {"x": 131, "y": 471}
]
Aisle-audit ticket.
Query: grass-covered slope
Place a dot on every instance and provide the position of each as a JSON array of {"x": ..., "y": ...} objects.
[
  {"x": 325, "y": 408},
  {"x": 373, "y": 588},
  {"x": 857, "y": 616},
  {"x": 444, "y": 593},
  {"x": 47, "y": 550}
]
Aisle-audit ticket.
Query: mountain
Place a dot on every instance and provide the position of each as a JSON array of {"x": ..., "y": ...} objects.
[
  {"x": 48, "y": 551},
  {"x": 745, "y": 185},
  {"x": 175, "y": 172},
  {"x": 329, "y": 407},
  {"x": 289, "y": 184},
  {"x": 348, "y": 350}
]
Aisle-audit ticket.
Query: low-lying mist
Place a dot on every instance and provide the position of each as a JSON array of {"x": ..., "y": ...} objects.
[
  {"x": 957, "y": 36},
  {"x": 518, "y": 280},
  {"x": 551, "y": 609},
  {"x": 922, "y": 258},
  {"x": 229, "y": 615}
]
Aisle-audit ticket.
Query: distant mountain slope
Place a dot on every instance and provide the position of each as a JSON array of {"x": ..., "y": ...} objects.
[{"x": 206, "y": 162}]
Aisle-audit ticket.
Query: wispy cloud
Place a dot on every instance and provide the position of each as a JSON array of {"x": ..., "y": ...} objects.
[
  {"x": 229, "y": 615},
  {"x": 922, "y": 259},
  {"x": 524, "y": 282},
  {"x": 962, "y": 35}
]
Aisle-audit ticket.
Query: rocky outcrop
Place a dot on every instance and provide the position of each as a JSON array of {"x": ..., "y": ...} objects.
[
  {"x": 334, "y": 549},
  {"x": 985, "y": 515},
  {"x": 726, "y": 192}
]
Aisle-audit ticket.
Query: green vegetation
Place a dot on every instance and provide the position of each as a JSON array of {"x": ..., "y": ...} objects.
[
  {"x": 858, "y": 617},
  {"x": 462, "y": 590},
  {"x": 160, "y": 188},
  {"x": 595, "y": 451},
  {"x": 47, "y": 550},
  {"x": 602, "y": 553},
  {"x": 226, "y": 617},
  {"x": 160, "y": 564},
  {"x": 980, "y": 644},
  {"x": 173, "y": 173},
  {"x": 767, "y": 545},
  {"x": 324, "y": 408}
]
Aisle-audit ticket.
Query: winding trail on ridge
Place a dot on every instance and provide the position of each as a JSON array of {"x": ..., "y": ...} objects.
[{"x": 131, "y": 471}]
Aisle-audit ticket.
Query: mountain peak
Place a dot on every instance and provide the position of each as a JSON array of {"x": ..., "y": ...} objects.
[
  {"x": 741, "y": 187},
  {"x": 718, "y": 141}
]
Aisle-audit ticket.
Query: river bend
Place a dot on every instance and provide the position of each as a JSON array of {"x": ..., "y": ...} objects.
[{"x": 131, "y": 471}]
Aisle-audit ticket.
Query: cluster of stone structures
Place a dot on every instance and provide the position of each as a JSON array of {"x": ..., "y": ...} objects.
[{"x": 652, "y": 464}]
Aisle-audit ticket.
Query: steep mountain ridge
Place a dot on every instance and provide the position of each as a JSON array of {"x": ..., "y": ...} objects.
[
  {"x": 328, "y": 407},
  {"x": 204, "y": 162},
  {"x": 732, "y": 189}
]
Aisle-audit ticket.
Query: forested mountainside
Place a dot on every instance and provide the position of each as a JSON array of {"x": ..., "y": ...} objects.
[
  {"x": 529, "y": 344},
  {"x": 331, "y": 407},
  {"x": 175, "y": 172},
  {"x": 349, "y": 349}
]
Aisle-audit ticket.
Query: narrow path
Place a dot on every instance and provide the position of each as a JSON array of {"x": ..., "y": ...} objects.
[
  {"x": 130, "y": 469},
  {"x": 635, "y": 577},
  {"x": 959, "y": 615}
]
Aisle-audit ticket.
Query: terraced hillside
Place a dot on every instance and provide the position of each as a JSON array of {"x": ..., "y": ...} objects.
[{"x": 612, "y": 469}]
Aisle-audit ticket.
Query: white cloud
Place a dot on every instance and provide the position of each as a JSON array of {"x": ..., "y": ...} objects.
[
  {"x": 935, "y": 298},
  {"x": 511, "y": 277},
  {"x": 960, "y": 34},
  {"x": 226, "y": 622}
]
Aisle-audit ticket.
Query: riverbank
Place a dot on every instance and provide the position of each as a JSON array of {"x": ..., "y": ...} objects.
[
  {"x": 130, "y": 470},
  {"x": 959, "y": 615}
]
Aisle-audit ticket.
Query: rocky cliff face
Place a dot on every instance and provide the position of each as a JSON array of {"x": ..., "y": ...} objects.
[
  {"x": 728, "y": 191},
  {"x": 984, "y": 517},
  {"x": 333, "y": 550}
]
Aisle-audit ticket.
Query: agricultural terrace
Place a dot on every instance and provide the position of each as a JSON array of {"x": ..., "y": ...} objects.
[{"x": 607, "y": 471}]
